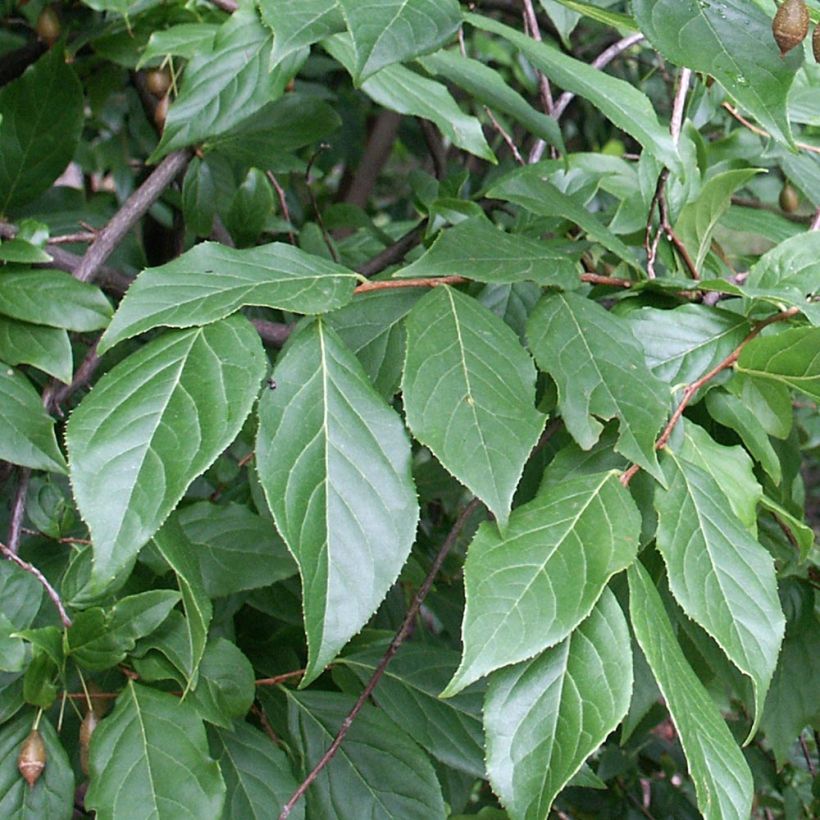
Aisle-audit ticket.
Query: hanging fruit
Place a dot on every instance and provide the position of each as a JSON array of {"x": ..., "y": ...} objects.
[
  {"x": 790, "y": 25},
  {"x": 32, "y": 758}
]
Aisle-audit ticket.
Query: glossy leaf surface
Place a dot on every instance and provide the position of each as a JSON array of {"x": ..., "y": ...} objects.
[
  {"x": 469, "y": 394},
  {"x": 721, "y": 576},
  {"x": 530, "y": 587},
  {"x": 545, "y": 716},
  {"x": 153, "y": 424},
  {"x": 211, "y": 281},
  {"x": 601, "y": 374},
  {"x": 334, "y": 461},
  {"x": 723, "y": 782}
]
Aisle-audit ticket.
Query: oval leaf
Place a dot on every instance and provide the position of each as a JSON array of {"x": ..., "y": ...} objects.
[
  {"x": 211, "y": 281},
  {"x": 723, "y": 782},
  {"x": 731, "y": 40},
  {"x": 528, "y": 589},
  {"x": 600, "y": 371},
  {"x": 722, "y": 578},
  {"x": 334, "y": 461},
  {"x": 469, "y": 394},
  {"x": 149, "y": 758},
  {"x": 381, "y": 773},
  {"x": 544, "y": 717},
  {"x": 26, "y": 430},
  {"x": 151, "y": 425}
]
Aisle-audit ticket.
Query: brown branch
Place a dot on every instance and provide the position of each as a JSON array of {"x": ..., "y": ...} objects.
[
  {"x": 690, "y": 390},
  {"x": 30, "y": 568},
  {"x": 389, "y": 284},
  {"x": 398, "y": 640},
  {"x": 130, "y": 213},
  {"x": 613, "y": 281},
  {"x": 376, "y": 152},
  {"x": 283, "y": 204},
  {"x": 56, "y": 393},
  {"x": 226, "y": 5},
  {"x": 18, "y": 511},
  {"x": 601, "y": 61},
  {"x": 394, "y": 253},
  {"x": 277, "y": 679},
  {"x": 803, "y": 146}
]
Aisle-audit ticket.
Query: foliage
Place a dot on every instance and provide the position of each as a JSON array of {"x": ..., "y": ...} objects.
[{"x": 408, "y": 409}]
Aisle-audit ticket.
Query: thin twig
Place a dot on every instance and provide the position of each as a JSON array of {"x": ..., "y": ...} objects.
[
  {"x": 531, "y": 24},
  {"x": 679, "y": 104},
  {"x": 325, "y": 235},
  {"x": 18, "y": 511},
  {"x": 30, "y": 568},
  {"x": 56, "y": 393},
  {"x": 277, "y": 679},
  {"x": 690, "y": 390},
  {"x": 601, "y": 61},
  {"x": 389, "y": 284},
  {"x": 399, "y": 638},
  {"x": 807, "y": 756},
  {"x": 613, "y": 281},
  {"x": 435, "y": 148},
  {"x": 283, "y": 204},
  {"x": 130, "y": 213},
  {"x": 803, "y": 146},
  {"x": 394, "y": 253}
]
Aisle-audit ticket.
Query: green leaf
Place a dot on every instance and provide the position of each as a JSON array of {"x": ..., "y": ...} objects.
[
  {"x": 250, "y": 208},
  {"x": 793, "y": 264},
  {"x": 802, "y": 533},
  {"x": 723, "y": 782},
  {"x": 681, "y": 345},
  {"x": 619, "y": 101},
  {"x": 477, "y": 249},
  {"x": 730, "y": 467},
  {"x": 21, "y": 594},
  {"x": 372, "y": 326},
  {"x": 26, "y": 430},
  {"x": 100, "y": 640},
  {"x": 18, "y": 250},
  {"x": 469, "y": 394},
  {"x": 334, "y": 461},
  {"x": 382, "y": 772},
  {"x": 53, "y": 794},
  {"x": 53, "y": 298},
  {"x": 151, "y": 425},
  {"x": 408, "y": 693},
  {"x": 257, "y": 774},
  {"x": 199, "y": 197},
  {"x": 698, "y": 219},
  {"x": 487, "y": 86},
  {"x": 394, "y": 31},
  {"x": 530, "y": 587},
  {"x": 297, "y": 25},
  {"x": 402, "y": 90},
  {"x": 182, "y": 40},
  {"x": 601, "y": 15},
  {"x": 601, "y": 372},
  {"x": 267, "y": 139},
  {"x": 149, "y": 758},
  {"x": 225, "y": 85},
  {"x": 791, "y": 704},
  {"x": 211, "y": 281},
  {"x": 13, "y": 655},
  {"x": 730, "y": 411},
  {"x": 545, "y": 716},
  {"x": 46, "y": 348},
  {"x": 225, "y": 688},
  {"x": 723, "y": 579},
  {"x": 731, "y": 40},
  {"x": 530, "y": 188},
  {"x": 41, "y": 119},
  {"x": 178, "y": 551},
  {"x": 791, "y": 358},
  {"x": 235, "y": 549}
]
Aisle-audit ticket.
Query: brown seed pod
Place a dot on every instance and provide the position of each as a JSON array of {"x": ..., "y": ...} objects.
[
  {"x": 815, "y": 43},
  {"x": 161, "y": 112},
  {"x": 789, "y": 199},
  {"x": 158, "y": 81},
  {"x": 87, "y": 728},
  {"x": 48, "y": 26},
  {"x": 790, "y": 25},
  {"x": 32, "y": 758}
]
